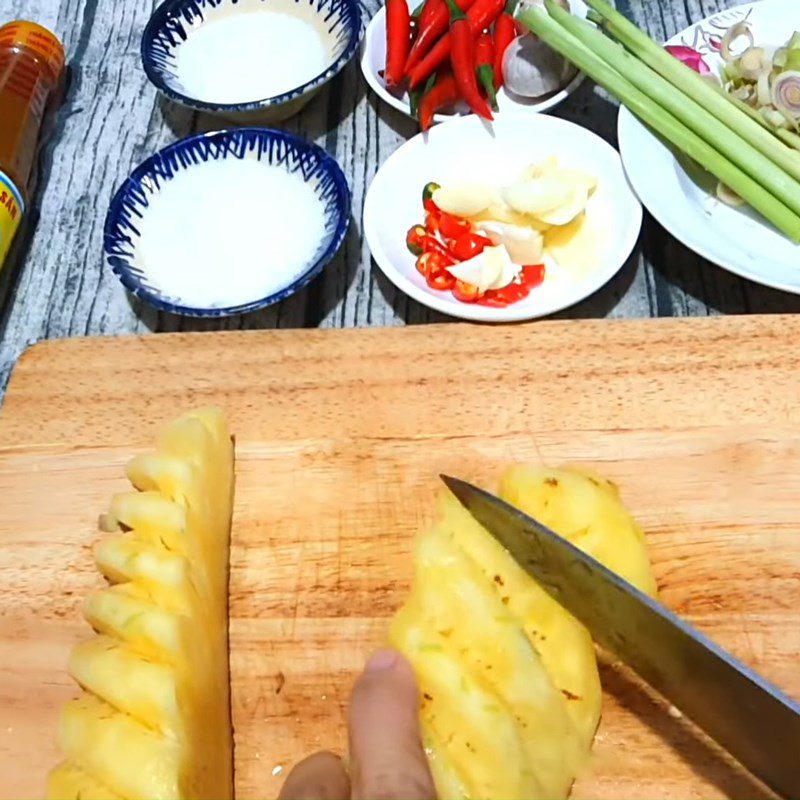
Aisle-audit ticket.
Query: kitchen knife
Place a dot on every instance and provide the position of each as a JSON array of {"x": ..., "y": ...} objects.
[{"x": 754, "y": 721}]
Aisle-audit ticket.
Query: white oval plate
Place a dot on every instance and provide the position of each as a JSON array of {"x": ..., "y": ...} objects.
[
  {"x": 373, "y": 60},
  {"x": 467, "y": 148},
  {"x": 737, "y": 239}
]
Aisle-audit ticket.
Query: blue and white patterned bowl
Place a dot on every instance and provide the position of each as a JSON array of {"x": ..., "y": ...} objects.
[
  {"x": 131, "y": 202},
  {"x": 174, "y": 21}
]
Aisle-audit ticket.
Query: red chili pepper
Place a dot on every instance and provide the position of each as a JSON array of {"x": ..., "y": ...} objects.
[
  {"x": 505, "y": 31},
  {"x": 533, "y": 275},
  {"x": 444, "y": 93},
  {"x": 433, "y": 245},
  {"x": 451, "y": 226},
  {"x": 415, "y": 239},
  {"x": 462, "y": 58},
  {"x": 468, "y": 245},
  {"x": 484, "y": 56},
  {"x": 432, "y": 222},
  {"x": 500, "y": 298},
  {"x": 490, "y": 300},
  {"x": 429, "y": 263},
  {"x": 530, "y": 277},
  {"x": 398, "y": 40},
  {"x": 441, "y": 280},
  {"x": 481, "y": 14},
  {"x": 429, "y": 8},
  {"x": 433, "y": 24},
  {"x": 466, "y": 292},
  {"x": 419, "y": 241}
]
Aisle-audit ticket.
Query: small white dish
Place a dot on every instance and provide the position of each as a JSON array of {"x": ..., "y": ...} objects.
[
  {"x": 249, "y": 61},
  {"x": 737, "y": 239},
  {"x": 228, "y": 222},
  {"x": 373, "y": 61},
  {"x": 466, "y": 149}
]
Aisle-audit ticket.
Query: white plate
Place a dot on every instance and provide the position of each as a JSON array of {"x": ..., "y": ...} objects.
[
  {"x": 373, "y": 60},
  {"x": 737, "y": 239},
  {"x": 496, "y": 154}
]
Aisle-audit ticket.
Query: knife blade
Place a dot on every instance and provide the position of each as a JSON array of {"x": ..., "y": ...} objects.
[{"x": 754, "y": 721}]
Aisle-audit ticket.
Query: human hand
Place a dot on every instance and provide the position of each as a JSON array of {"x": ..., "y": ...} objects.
[{"x": 387, "y": 761}]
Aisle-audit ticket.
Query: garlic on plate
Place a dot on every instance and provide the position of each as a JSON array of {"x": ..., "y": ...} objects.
[
  {"x": 542, "y": 212},
  {"x": 465, "y": 199},
  {"x": 490, "y": 269},
  {"x": 525, "y": 245},
  {"x": 552, "y": 194},
  {"x": 536, "y": 196}
]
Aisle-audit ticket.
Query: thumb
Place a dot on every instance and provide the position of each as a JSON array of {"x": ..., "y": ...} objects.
[{"x": 385, "y": 745}]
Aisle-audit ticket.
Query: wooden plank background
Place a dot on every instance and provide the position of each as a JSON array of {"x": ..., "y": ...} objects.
[{"x": 57, "y": 284}]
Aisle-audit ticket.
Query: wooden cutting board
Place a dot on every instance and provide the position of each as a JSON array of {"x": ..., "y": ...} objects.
[{"x": 340, "y": 438}]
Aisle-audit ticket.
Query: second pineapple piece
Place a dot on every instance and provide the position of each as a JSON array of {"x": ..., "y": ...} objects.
[
  {"x": 153, "y": 722},
  {"x": 509, "y": 680}
]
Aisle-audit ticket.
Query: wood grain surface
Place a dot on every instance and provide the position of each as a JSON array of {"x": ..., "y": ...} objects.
[
  {"x": 57, "y": 284},
  {"x": 340, "y": 438}
]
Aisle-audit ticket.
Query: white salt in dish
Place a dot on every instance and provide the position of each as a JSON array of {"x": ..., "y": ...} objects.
[
  {"x": 246, "y": 243},
  {"x": 249, "y": 59},
  {"x": 242, "y": 57},
  {"x": 225, "y": 223}
]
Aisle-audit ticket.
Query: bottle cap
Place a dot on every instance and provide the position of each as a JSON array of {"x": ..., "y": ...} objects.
[{"x": 36, "y": 38}]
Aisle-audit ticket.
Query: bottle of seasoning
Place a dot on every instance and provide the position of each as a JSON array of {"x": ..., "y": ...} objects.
[{"x": 31, "y": 62}]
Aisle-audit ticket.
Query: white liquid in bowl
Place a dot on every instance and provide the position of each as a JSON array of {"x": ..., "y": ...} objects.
[
  {"x": 229, "y": 232},
  {"x": 248, "y": 56}
]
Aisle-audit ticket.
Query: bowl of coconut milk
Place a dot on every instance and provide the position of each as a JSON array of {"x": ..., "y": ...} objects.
[
  {"x": 228, "y": 222},
  {"x": 250, "y": 61}
]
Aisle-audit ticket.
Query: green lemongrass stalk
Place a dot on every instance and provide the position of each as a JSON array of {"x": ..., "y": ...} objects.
[
  {"x": 682, "y": 107},
  {"x": 682, "y": 137},
  {"x": 593, "y": 16},
  {"x": 689, "y": 82},
  {"x": 790, "y": 137}
]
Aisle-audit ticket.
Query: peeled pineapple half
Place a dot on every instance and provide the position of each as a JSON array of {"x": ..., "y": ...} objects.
[
  {"x": 153, "y": 721},
  {"x": 508, "y": 679}
]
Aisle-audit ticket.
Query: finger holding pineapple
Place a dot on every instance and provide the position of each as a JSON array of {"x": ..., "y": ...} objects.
[{"x": 387, "y": 759}]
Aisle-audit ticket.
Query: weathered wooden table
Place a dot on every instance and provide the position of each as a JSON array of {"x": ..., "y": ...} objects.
[{"x": 57, "y": 283}]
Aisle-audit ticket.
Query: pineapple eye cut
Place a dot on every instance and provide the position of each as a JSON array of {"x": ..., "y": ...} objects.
[
  {"x": 153, "y": 719},
  {"x": 507, "y": 676}
]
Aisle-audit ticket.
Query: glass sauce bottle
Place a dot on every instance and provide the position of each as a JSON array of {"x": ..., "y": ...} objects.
[{"x": 31, "y": 62}]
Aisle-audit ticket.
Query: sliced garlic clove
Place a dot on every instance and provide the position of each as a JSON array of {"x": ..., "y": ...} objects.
[
  {"x": 540, "y": 168},
  {"x": 465, "y": 200},
  {"x": 508, "y": 269},
  {"x": 536, "y": 196},
  {"x": 500, "y": 212},
  {"x": 567, "y": 211},
  {"x": 525, "y": 245}
]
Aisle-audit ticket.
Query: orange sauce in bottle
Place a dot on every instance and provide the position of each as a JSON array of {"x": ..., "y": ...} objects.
[{"x": 31, "y": 63}]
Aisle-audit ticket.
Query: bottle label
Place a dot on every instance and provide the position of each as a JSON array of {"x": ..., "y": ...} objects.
[{"x": 12, "y": 207}]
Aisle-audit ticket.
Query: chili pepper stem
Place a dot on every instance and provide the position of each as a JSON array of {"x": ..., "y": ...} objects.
[
  {"x": 486, "y": 77},
  {"x": 455, "y": 12}
]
